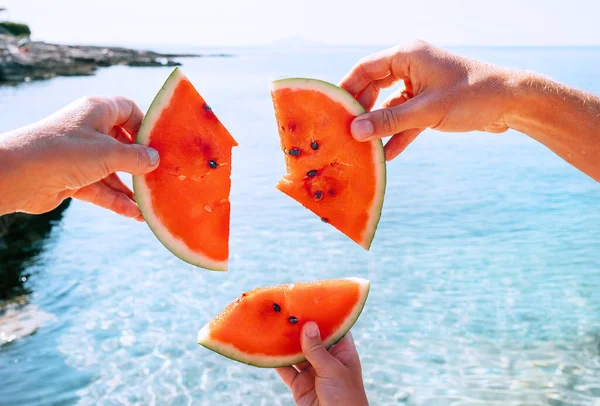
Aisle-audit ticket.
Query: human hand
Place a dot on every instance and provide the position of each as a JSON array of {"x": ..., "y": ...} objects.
[
  {"x": 75, "y": 153},
  {"x": 442, "y": 91},
  {"x": 328, "y": 378}
]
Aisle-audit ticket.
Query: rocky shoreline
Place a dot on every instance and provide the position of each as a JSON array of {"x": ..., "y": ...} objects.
[
  {"x": 22, "y": 238},
  {"x": 25, "y": 61}
]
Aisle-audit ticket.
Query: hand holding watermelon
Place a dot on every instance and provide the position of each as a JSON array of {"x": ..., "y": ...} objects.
[
  {"x": 441, "y": 90},
  {"x": 75, "y": 153},
  {"x": 328, "y": 378},
  {"x": 451, "y": 93}
]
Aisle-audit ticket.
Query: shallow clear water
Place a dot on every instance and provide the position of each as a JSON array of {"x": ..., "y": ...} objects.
[{"x": 485, "y": 269}]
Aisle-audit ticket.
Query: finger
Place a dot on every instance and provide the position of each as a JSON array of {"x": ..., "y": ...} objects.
[
  {"x": 345, "y": 351},
  {"x": 301, "y": 367},
  {"x": 125, "y": 114},
  {"x": 106, "y": 113},
  {"x": 375, "y": 67},
  {"x": 114, "y": 182},
  {"x": 314, "y": 350},
  {"x": 287, "y": 375},
  {"x": 135, "y": 159},
  {"x": 397, "y": 98},
  {"x": 399, "y": 142},
  {"x": 101, "y": 195},
  {"x": 368, "y": 97},
  {"x": 119, "y": 134},
  {"x": 415, "y": 113}
]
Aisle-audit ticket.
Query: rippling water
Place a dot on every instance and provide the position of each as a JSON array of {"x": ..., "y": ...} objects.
[{"x": 485, "y": 269}]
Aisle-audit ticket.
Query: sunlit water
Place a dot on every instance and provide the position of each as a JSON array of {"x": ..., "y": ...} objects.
[{"x": 485, "y": 269}]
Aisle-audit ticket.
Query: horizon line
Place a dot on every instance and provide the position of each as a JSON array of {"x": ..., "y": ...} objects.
[{"x": 278, "y": 44}]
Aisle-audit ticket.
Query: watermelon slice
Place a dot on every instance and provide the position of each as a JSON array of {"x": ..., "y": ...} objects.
[
  {"x": 339, "y": 179},
  {"x": 262, "y": 327},
  {"x": 185, "y": 201}
]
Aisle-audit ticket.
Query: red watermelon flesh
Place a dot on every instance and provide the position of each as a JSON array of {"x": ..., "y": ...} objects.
[
  {"x": 185, "y": 201},
  {"x": 262, "y": 327}
]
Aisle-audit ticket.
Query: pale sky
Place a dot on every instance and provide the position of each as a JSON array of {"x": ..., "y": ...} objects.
[{"x": 334, "y": 22}]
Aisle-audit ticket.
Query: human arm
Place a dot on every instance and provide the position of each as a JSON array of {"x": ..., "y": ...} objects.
[
  {"x": 75, "y": 152},
  {"x": 447, "y": 92},
  {"x": 565, "y": 120},
  {"x": 328, "y": 378}
]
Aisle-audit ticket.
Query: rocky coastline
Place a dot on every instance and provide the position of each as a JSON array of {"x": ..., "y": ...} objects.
[{"x": 24, "y": 61}]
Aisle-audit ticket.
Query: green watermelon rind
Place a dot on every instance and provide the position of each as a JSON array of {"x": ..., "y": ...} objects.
[
  {"x": 341, "y": 96},
  {"x": 268, "y": 361},
  {"x": 142, "y": 192}
]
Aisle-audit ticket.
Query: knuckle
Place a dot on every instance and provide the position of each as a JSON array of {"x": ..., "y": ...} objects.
[
  {"x": 411, "y": 47},
  {"x": 112, "y": 202},
  {"x": 419, "y": 49},
  {"x": 388, "y": 121},
  {"x": 364, "y": 60},
  {"x": 315, "y": 347},
  {"x": 122, "y": 101},
  {"x": 93, "y": 101},
  {"x": 360, "y": 67},
  {"x": 94, "y": 104},
  {"x": 107, "y": 166},
  {"x": 419, "y": 46}
]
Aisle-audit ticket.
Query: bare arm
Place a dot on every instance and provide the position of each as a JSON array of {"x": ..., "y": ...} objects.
[
  {"x": 565, "y": 120},
  {"x": 451, "y": 93}
]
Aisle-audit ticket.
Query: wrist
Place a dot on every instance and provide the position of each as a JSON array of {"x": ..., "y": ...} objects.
[{"x": 528, "y": 100}]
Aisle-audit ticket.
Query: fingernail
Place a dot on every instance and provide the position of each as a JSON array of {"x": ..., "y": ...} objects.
[
  {"x": 153, "y": 154},
  {"x": 362, "y": 129},
  {"x": 311, "y": 330}
]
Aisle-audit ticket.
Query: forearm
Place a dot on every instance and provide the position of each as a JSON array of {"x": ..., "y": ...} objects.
[
  {"x": 7, "y": 171},
  {"x": 16, "y": 172},
  {"x": 565, "y": 120}
]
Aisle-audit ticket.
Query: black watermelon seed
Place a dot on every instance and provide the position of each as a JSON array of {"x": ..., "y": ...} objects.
[
  {"x": 294, "y": 152},
  {"x": 293, "y": 319},
  {"x": 207, "y": 107},
  {"x": 314, "y": 145},
  {"x": 311, "y": 173},
  {"x": 212, "y": 164},
  {"x": 318, "y": 195},
  {"x": 276, "y": 307},
  {"x": 325, "y": 220},
  {"x": 331, "y": 192}
]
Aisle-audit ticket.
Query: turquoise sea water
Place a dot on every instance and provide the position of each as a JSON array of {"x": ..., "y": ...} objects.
[{"x": 485, "y": 269}]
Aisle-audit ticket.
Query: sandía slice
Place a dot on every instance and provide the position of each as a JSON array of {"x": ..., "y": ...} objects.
[
  {"x": 339, "y": 179},
  {"x": 262, "y": 327},
  {"x": 185, "y": 201}
]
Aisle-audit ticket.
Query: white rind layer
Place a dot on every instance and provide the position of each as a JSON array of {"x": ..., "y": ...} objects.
[
  {"x": 142, "y": 191},
  {"x": 268, "y": 361},
  {"x": 344, "y": 98}
]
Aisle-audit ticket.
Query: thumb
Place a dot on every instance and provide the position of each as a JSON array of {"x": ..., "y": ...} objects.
[
  {"x": 314, "y": 350},
  {"x": 415, "y": 113},
  {"x": 135, "y": 159}
]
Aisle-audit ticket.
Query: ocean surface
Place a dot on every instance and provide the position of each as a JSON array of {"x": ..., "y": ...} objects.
[{"x": 485, "y": 268}]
